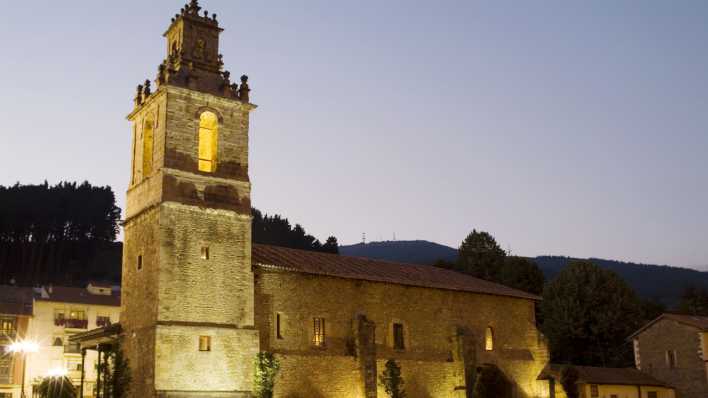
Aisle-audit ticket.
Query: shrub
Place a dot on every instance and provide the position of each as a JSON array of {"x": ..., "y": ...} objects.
[
  {"x": 56, "y": 387},
  {"x": 491, "y": 383},
  {"x": 392, "y": 381},
  {"x": 267, "y": 367},
  {"x": 569, "y": 380}
]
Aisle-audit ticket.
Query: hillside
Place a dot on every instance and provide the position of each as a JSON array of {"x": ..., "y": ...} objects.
[{"x": 658, "y": 282}]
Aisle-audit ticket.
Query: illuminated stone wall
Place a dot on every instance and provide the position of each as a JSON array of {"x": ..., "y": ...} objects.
[
  {"x": 689, "y": 377},
  {"x": 431, "y": 363},
  {"x": 175, "y": 214}
]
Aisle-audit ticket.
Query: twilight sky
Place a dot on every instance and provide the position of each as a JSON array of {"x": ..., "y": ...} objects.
[{"x": 562, "y": 127}]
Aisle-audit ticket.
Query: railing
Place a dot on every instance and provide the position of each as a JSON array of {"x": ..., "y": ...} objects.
[{"x": 72, "y": 323}]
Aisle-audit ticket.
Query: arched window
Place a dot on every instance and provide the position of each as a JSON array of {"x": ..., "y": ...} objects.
[
  {"x": 148, "y": 142},
  {"x": 208, "y": 139},
  {"x": 489, "y": 339}
]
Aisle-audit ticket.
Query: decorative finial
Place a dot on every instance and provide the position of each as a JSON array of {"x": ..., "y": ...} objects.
[
  {"x": 146, "y": 89},
  {"x": 139, "y": 95},
  {"x": 161, "y": 77},
  {"x": 244, "y": 90},
  {"x": 213, "y": 16},
  {"x": 206, "y": 14},
  {"x": 194, "y": 7}
]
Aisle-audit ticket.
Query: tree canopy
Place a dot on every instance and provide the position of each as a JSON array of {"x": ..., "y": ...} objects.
[
  {"x": 588, "y": 312},
  {"x": 277, "y": 230},
  {"x": 55, "y": 233},
  {"x": 694, "y": 301}
]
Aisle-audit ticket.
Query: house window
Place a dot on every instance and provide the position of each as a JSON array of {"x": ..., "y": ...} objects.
[
  {"x": 652, "y": 394},
  {"x": 204, "y": 343},
  {"x": 103, "y": 321},
  {"x": 78, "y": 315},
  {"x": 208, "y": 141},
  {"x": 594, "y": 391},
  {"x": 671, "y": 361},
  {"x": 5, "y": 367},
  {"x": 398, "y": 337},
  {"x": 205, "y": 253},
  {"x": 278, "y": 326},
  {"x": 59, "y": 318},
  {"x": 7, "y": 327},
  {"x": 148, "y": 140},
  {"x": 318, "y": 337},
  {"x": 613, "y": 395},
  {"x": 489, "y": 339},
  {"x": 140, "y": 262}
]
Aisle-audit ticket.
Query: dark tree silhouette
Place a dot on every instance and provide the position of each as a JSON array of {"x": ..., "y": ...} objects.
[
  {"x": 523, "y": 274},
  {"x": 569, "y": 380},
  {"x": 276, "y": 230},
  {"x": 480, "y": 256},
  {"x": 588, "y": 312},
  {"x": 56, "y": 233},
  {"x": 694, "y": 301}
]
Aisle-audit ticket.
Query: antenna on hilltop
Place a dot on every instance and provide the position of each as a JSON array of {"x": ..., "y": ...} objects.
[
  {"x": 363, "y": 238},
  {"x": 394, "y": 236}
]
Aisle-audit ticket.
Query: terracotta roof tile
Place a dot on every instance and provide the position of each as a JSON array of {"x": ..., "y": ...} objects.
[
  {"x": 595, "y": 375},
  {"x": 699, "y": 322},
  {"x": 308, "y": 262}
]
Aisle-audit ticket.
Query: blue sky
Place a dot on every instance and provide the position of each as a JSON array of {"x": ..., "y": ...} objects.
[{"x": 561, "y": 127}]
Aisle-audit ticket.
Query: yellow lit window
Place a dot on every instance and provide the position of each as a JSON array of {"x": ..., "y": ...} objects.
[
  {"x": 208, "y": 140},
  {"x": 140, "y": 262},
  {"x": 205, "y": 253},
  {"x": 148, "y": 142},
  {"x": 204, "y": 343},
  {"x": 489, "y": 339},
  {"x": 318, "y": 337}
]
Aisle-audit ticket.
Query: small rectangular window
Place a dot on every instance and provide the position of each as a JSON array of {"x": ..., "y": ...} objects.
[
  {"x": 204, "y": 343},
  {"x": 671, "y": 359},
  {"x": 140, "y": 262},
  {"x": 398, "y": 337},
  {"x": 205, "y": 252},
  {"x": 652, "y": 394},
  {"x": 278, "y": 326},
  {"x": 594, "y": 391},
  {"x": 318, "y": 337}
]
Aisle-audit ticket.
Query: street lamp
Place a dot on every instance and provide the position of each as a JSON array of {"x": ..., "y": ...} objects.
[{"x": 23, "y": 347}]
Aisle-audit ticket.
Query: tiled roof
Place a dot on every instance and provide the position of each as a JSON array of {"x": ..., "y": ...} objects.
[
  {"x": 308, "y": 262},
  {"x": 15, "y": 300},
  {"x": 595, "y": 375},
  {"x": 79, "y": 296},
  {"x": 699, "y": 322}
]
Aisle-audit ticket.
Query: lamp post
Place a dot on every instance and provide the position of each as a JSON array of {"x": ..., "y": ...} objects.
[{"x": 23, "y": 347}]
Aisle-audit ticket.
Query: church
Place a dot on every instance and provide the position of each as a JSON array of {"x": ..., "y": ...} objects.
[{"x": 200, "y": 300}]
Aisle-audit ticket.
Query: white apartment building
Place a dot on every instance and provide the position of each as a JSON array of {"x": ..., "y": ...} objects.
[{"x": 57, "y": 313}]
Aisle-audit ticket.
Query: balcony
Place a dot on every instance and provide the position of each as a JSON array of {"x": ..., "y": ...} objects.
[{"x": 72, "y": 323}]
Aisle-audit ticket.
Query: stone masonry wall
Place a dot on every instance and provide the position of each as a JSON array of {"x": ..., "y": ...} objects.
[
  {"x": 689, "y": 377},
  {"x": 432, "y": 320}
]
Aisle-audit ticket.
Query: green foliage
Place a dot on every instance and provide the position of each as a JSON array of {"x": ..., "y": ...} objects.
[
  {"x": 56, "y": 387},
  {"x": 694, "y": 301},
  {"x": 115, "y": 371},
  {"x": 587, "y": 314},
  {"x": 55, "y": 233},
  {"x": 276, "y": 230},
  {"x": 523, "y": 274},
  {"x": 569, "y": 380},
  {"x": 392, "y": 381},
  {"x": 266, "y": 369},
  {"x": 480, "y": 256},
  {"x": 491, "y": 383}
]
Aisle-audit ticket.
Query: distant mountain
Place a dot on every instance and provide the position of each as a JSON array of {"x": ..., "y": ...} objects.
[
  {"x": 408, "y": 251},
  {"x": 659, "y": 282}
]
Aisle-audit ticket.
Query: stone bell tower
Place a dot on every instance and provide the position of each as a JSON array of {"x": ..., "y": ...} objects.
[{"x": 187, "y": 296}]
